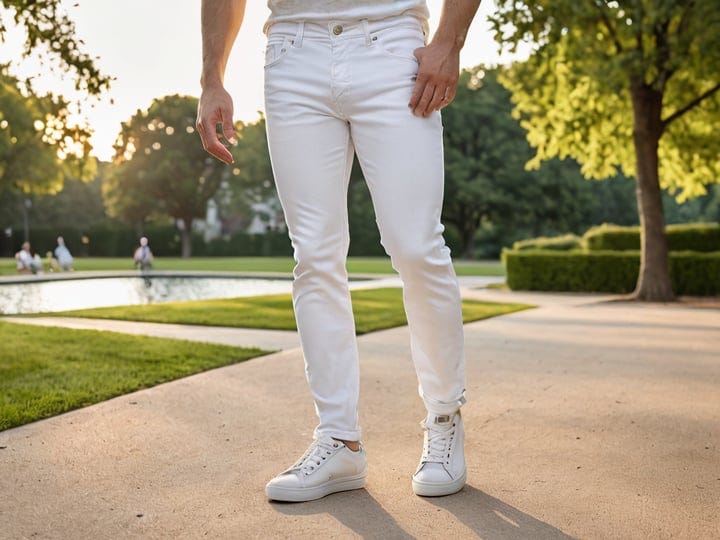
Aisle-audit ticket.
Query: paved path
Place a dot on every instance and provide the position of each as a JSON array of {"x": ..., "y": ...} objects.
[
  {"x": 271, "y": 340},
  {"x": 585, "y": 419}
]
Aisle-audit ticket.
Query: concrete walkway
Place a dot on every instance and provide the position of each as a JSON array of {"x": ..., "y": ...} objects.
[
  {"x": 586, "y": 419},
  {"x": 271, "y": 340}
]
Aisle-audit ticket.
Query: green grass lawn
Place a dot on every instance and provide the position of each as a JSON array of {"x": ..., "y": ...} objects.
[
  {"x": 356, "y": 265},
  {"x": 374, "y": 309},
  {"x": 48, "y": 371}
]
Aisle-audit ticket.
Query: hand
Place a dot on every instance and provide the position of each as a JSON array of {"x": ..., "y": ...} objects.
[
  {"x": 216, "y": 107},
  {"x": 437, "y": 78}
]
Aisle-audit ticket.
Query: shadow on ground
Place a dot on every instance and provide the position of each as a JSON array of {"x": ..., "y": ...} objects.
[
  {"x": 492, "y": 519},
  {"x": 486, "y": 516}
]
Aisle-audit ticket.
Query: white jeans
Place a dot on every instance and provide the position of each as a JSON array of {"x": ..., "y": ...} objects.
[{"x": 332, "y": 90}]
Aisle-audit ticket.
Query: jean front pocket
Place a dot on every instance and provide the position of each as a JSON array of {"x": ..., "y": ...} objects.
[
  {"x": 399, "y": 42},
  {"x": 276, "y": 49}
]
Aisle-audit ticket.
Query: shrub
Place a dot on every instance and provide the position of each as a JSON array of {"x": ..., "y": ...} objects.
[
  {"x": 566, "y": 242},
  {"x": 243, "y": 244},
  {"x": 608, "y": 237},
  {"x": 704, "y": 237},
  {"x": 606, "y": 271},
  {"x": 695, "y": 274}
]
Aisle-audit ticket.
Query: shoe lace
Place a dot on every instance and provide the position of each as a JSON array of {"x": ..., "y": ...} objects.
[
  {"x": 438, "y": 443},
  {"x": 316, "y": 455}
]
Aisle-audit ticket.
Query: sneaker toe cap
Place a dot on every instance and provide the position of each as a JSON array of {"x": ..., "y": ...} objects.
[
  {"x": 286, "y": 480},
  {"x": 432, "y": 473}
]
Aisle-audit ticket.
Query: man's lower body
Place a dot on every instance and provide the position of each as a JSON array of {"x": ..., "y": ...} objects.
[{"x": 333, "y": 90}]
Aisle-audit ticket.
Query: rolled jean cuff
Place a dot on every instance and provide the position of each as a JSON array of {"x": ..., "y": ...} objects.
[
  {"x": 435, "y": 406},
  {"x": 339, "y": 435}
]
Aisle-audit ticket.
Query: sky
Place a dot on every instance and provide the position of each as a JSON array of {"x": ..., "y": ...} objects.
[{"x": 153, "y": 49}]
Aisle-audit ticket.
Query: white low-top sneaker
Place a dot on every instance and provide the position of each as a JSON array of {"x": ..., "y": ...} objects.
[
  {"x": 442, "y": 468},
  {"x": 327, "y": 466}
]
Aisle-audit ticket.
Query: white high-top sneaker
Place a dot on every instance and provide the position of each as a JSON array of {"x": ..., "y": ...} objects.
[
  {"x": 327, "y": 466},
  {"x": 442, "y": 468}
]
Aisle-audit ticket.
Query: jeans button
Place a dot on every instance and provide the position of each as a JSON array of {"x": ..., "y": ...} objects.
[{"x": 337, "y": 30}]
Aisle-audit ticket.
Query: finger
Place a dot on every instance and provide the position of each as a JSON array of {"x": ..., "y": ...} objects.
[
  {"x": 218, "y": 150},
  {"x": 417, "y": 92},
  {"x": 228, "y": 127},
  {"x": 420, "y": 80},
  {"x": 208, "y": 134},
  {"x": 437, "y": 100},
  {"x": 449, "y": 95},
  {"x": 422, "y": 107}
]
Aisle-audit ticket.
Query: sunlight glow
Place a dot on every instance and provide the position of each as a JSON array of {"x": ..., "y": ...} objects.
[{"x": 153, "y": 60}]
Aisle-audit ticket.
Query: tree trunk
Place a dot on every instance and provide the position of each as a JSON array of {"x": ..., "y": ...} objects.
[
  {"x": 186, "y": 237},
  {"x": 653, "y": 283}
]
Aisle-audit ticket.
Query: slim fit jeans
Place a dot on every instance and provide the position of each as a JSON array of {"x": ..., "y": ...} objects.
[{"x": 332, "y": 91}]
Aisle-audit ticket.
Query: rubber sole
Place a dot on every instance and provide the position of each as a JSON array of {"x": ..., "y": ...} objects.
[
  {"x": 425, "y": 489},
  {"x": 278, "y": 493}
]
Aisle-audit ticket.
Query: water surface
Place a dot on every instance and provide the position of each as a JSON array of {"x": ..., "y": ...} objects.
[{"x": 67, "y": 294}]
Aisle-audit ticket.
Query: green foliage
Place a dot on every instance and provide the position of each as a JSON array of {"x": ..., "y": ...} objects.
[
  {"x": 694, "y": 237},
  {"x": 29, "y": 160},
  {"x": 77, "y": 206},
  {"x": 573, "y": 94},
  {"x": 571, "y": 271},
  {"x": 105, "y": 239},
  {"x": 244, "y": 244},
  {"x": 48, "y": 371},
  {"x": 608, "y": 237},
  {"x": 556, "y": 243},
  {"x": 491, "y": 200},
  {"x": 702, "y": 237},
  {"x": 695, "y": 274},
  {"x": 606, "y": 271},
  {"x": 51, "y": 34},
  {"x": 251, "y": 178}
]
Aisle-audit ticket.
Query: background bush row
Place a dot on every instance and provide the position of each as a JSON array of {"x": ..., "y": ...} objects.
[
  {"x": 692, "y": 273},
  {"x": 121, "y": 241},
  {"x": 704, "y": 237},
  {"x": 164, "y": 241}
]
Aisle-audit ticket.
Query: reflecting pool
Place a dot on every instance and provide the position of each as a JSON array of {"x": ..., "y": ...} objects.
[{"x": 67, "y": 294}]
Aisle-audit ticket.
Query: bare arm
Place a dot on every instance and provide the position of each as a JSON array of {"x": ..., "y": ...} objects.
[
  {"x": 220, "y": 23},
  {"x": 440, "y": 60}
]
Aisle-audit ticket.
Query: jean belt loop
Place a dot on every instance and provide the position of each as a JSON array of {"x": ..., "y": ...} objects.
[
  {"x": 366, "y": 30},
  {"x": 299, "y": 34}
]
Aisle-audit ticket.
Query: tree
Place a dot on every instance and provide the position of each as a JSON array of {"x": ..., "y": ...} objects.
[
  {"x": 50, "y": 37},
  {"x": 125, "y": 194},
  {"x": 50, "y": 31},
  {"x": 78, "y": 206},
  {"x": 490, "y": 196},
  {"x": 622, "y": 84},
  {"x": 162, "y": 168},
  {"x": 29, "y": 160}
]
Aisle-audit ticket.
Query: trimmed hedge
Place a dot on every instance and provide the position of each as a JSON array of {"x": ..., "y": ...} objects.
[
  {"x": 105, "y": 240},
  {"x": 566, "y": 242},
  {"x": 121, "y": 241},
  {"x": 695, "y": 274},
  {"x": 692, "y": 273},
  {"x": 242, "y": 244},
  {"x": 608, "y": 237},
  {"x": 704, "y": 237}
]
